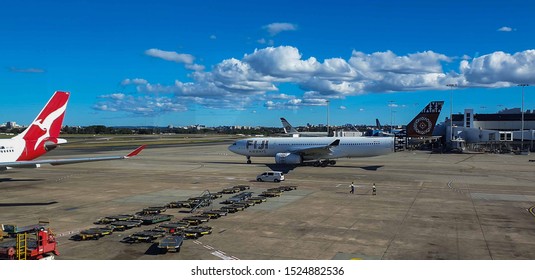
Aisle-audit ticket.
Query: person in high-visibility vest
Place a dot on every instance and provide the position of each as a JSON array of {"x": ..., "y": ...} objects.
[{"x": 374, "y": 190}]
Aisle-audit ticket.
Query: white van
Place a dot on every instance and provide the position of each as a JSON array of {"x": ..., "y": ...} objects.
[{"x": 271, "y": 176}]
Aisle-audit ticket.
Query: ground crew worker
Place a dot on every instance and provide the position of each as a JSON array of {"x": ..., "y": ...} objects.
[
  {"x": 352, "y": 188},
  {"x": 374, "y": 190}
]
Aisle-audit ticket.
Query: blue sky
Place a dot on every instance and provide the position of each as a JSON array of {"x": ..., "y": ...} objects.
[{"x": 252, "y": 62}]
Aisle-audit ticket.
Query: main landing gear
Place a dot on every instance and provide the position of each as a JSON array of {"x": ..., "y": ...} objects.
[
  {"x": 324, "y": 163},
  {"x": 248, "y": 160}
]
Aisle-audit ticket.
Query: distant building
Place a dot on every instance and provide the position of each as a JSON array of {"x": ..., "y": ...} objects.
[
  {"x": 11, "y": 125},
  {"x": 502, "y": 128},
  {"x": 238, "y": 127},
  {"x": 509, "y": 121},
  {"x": 341, "y": 133}
]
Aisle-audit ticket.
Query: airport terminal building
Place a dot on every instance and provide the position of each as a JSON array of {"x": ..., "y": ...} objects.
[{"x": 502, "y": 130}]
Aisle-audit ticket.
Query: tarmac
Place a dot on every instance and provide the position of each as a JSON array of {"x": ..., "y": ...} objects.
[{"x": 428, "y": 206}]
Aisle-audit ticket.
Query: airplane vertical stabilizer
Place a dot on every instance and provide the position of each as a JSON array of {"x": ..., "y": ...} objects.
[
  {"x": 45, "y": 128},
  {"x": 288, "y": 128},
  {"x": 424, "y": 123}
]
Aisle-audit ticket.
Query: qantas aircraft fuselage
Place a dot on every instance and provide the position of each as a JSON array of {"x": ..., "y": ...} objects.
[
  {"x": 42, "y": 136},
  {"x": 15, "y": 149}
]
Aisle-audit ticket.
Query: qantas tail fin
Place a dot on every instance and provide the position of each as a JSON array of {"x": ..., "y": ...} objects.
[
  {"x": 288, "y": 128},
  {"x": 48, "y": 123},
  {"x": 424, "y": 123},
  {"x": 42, "y": 134}
]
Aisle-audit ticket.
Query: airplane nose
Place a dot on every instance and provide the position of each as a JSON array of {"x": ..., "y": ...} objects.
[{"x": 232, "y": 148}]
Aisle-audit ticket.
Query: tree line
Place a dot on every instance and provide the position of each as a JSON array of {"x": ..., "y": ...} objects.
[{"x": 102, "y": 129}]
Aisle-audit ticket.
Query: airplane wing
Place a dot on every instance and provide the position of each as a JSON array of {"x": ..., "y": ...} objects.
[
  {"x": 38, "y": 163},
  {"x": 317, "y": 151}
]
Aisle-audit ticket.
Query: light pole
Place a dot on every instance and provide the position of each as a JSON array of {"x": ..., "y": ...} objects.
[
  {"x": 327, "y": 117},
  {"x": 451, "y": 86},
  {"x": 522, "y": 125},
  {"x": 391, "y": 105},
  {"x": 394, "y": 117},
  {"x": 531, "y": 146}
]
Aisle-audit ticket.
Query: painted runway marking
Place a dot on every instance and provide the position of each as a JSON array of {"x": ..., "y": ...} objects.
[
  {"x": 347, "y": 186},
  {"x": 218, "y": 253},
  {"x": 221, "y": 255},
  {"x": 454, "y": 188},
  {"x": 532, "y": 210}
]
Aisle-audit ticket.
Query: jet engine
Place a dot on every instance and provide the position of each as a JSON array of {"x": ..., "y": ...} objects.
[{"x": 288, "y": 158}]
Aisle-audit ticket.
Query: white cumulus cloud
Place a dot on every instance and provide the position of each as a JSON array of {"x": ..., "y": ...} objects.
[
  {"x": 295, "y": 103},
  {"x": 195, "y": 67},
  {"x": 171, "y": 56},
  {"x": 500, "y": 69},
  {"x": 505, "y": 29},
  {"x": 136, "y": 81},
  {"x": 282, "y": 96},
  {"x": 138, "y": 105},
  {"x": 236, "y": 83},
  {"x": 278, "y": 27},
  {"x": 284, "y": 62}
]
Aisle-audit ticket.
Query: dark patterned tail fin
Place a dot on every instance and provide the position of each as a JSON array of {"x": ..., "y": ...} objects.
[{"x": 424, "y": 123}]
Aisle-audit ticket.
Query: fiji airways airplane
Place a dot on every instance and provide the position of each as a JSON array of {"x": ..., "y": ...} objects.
[
  {"x": 323, "y": 150},
  {"x": 42, "y": 136}
]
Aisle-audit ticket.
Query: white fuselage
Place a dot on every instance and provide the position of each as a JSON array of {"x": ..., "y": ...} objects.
[
  {"x": 11, "y": 149},
  {"x": 347, "y": 147}
]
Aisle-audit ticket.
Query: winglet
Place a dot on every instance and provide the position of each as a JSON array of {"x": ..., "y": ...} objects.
[
  {"x": 136, "y": 151},
  {"x": 335, "y": 143}
]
